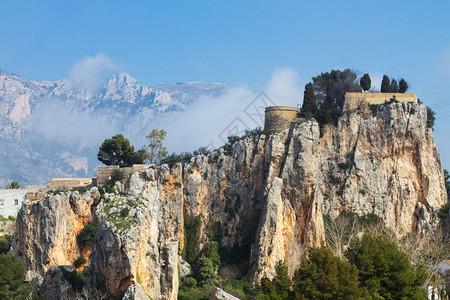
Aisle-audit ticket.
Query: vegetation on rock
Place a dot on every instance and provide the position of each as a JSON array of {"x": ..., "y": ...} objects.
[
  {"x": 385, "y": 84},
  {"x": 13, "y": 185},
  {"x": 118, "y": 151},
  {"x": 324, "y": 276},
  {"x": 5, "y": 243},
  {"x": 155, "y": 148},
  {"x": 365, "y": 82},
  {"x": 394, "y": 86},
  {"x": 12, "y": 279},
  {"x": 87, "y": 234},
  {"x": 403, "y": 86},
  {"x": 384, "y": 271}
]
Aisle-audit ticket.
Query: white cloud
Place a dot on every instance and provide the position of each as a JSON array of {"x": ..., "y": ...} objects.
[
  {"x": 87, "y": 70},
  {"x": 56, "y": 120},
  {"x": 211, "y": 119},
  {"x": 375, "y": 78},
  {"x": 286, "y": 87}
]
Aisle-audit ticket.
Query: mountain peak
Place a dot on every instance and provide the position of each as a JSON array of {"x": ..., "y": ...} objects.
[{"x": 122, "y": 79}]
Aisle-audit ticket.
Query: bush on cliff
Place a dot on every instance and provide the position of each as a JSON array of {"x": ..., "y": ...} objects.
[
  {"x": 5, "y": 243},
  {"x": 87, "y": 234}
]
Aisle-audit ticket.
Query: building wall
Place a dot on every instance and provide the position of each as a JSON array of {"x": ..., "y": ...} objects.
[
  {"x": 279, "y": 118},
  {"x": 67, "y": 184},
  {"x": 8, "y": 204},
  {"x": 353, "y": 100},
  {"x": 105, "y": 173}
]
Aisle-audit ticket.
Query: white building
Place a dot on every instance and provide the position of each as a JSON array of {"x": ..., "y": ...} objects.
[{"x": 11, "y": 201}]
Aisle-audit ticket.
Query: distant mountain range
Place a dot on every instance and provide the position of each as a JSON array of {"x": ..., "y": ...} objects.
[{"x": 54, "y": 128}]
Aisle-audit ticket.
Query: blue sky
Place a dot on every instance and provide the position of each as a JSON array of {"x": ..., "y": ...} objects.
[{"x": 236, "y": 42}]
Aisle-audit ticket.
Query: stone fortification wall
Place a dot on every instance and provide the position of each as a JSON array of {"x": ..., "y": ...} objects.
[
  {"x": 279, "y": 118},
  {"x": 67, "y": 184},
  {"x": 105, "y": 173},
  {"x": 353, "y": 100}
]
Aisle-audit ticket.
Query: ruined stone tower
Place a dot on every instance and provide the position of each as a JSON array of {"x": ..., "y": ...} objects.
[{"x": 279, "y": 118}]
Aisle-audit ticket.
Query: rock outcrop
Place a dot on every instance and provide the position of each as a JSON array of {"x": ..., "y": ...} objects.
[{"x": 265, "y": 199}]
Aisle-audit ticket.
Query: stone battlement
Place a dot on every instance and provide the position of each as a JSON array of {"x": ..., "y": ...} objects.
[
  {"x": 106, "y": 173},
  {"x": 279, "y": 118},
  {"x": 353, "y": 100},
  {"x": 67, "y": 184}
]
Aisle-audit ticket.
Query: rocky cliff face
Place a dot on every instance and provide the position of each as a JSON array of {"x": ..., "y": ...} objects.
[{"x": 266, "y": 200}]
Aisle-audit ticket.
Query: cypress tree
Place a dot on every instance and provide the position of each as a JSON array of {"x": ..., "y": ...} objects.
[
  {"x": 365, "y": 82},
  {"x": 385, "y": 84},
  {"x": 403, "y": 86},
  {"x": 394, "y": 86},
  {"x": 309, "y": 107}
]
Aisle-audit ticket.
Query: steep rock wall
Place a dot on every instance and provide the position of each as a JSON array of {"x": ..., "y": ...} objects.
[{"x": 267, "y": 197}]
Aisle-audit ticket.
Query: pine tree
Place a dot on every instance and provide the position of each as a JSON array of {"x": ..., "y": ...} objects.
[
  {"x": 118, "y": 151},
  {"x": 384, "y": 271},
  {"x": 12, "y": 278},
  {"x": 309, "y": 107},
  {"x": 365, "y": 82},
  {"x": 385, "y": 84},
  {"x": 322, "y": 275},
  {"x": 394, "y": 86},
  {"x": 403, "y": 86},
  {"x": 277, "y": 288}
]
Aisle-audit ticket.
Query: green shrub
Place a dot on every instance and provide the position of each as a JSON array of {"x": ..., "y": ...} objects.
[
  {"x": 384, "y": 271},
  {"x": 206, "y": 271},
  {"x": 322, "y": 275},
  {"x": 362, "y": 192},
  {"x": 279, "y": 286},
  {"x": 12, "y": 278},
  {"x": 430, "y": 117},
  {"x": 5, "y": 243},
  {"x": 373, "y": 109},
  {"x": 110, "y": 190},
  {"x": 191, "y": 238},
  {"x": 124, "y": 212},
  {"x": 334, "y": 180},
  {"x": 345, "y": 165},
  {"x": 80, "y": 189},
  {"x": 73, "y": 279},
  {"x": 79, "y": 261},
  {"x": 87, "y": 234}
]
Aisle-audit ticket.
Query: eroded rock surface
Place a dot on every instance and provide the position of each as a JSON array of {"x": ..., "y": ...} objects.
[{"x": 265, "y": 197}]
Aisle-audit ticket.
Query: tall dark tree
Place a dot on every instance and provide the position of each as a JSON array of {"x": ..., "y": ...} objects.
[
  {"x": 118, "y": 151},
  {"x": 12, "y": 279},
  {"x": 365, "y": 82},
  {"x": 384, "y": 271},
  {"x": 394, "y": 86},
  {"x": 309, "y": 107},
  {"x": 403, "y": 86},
  {"x": 277, "y": 288},
  {"x": 333, "y": 85},
  {"x": 385, "y": 84},
  {"x": 324, "y": 276}
]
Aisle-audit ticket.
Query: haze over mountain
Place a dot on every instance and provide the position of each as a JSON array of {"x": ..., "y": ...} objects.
[{"x": 53, "y": 128}]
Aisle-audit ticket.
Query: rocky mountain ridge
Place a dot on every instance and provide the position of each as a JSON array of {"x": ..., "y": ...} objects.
[
  {"x": 266, "y": 198},
  {"x": 37, "y": 118}
]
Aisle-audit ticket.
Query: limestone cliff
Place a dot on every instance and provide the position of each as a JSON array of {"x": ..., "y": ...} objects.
[{"x": 266, "y": 198}]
